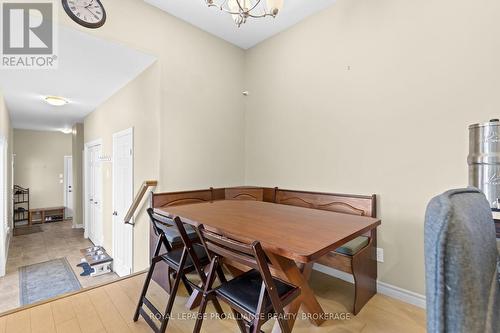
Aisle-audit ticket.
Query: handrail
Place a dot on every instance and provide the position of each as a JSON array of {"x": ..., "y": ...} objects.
[{"x": 138, "y": 199}]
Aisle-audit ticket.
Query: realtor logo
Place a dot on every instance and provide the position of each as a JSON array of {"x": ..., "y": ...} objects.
[{"x": 28, "y": 34}]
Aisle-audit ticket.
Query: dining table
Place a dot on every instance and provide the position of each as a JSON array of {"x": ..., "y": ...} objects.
[{"x": 292, "y": 237}]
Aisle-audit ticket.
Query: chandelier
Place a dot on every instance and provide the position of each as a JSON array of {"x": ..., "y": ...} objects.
[{"x": 241, "y": 10}]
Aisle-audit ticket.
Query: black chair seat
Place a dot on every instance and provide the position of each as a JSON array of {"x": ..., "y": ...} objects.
[
  {"x": 244, "y": 291},
  {"x": 174, "y": 257}
]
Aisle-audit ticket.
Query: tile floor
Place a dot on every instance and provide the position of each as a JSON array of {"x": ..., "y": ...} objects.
[{"x": 57, "y": 240}]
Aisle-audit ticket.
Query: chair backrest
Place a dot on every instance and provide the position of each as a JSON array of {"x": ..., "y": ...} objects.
[
  {"x": 341, "y": 203},
  {"x": 188, "y": 246},
  {"x": 244, "y": 193},
  {"x": 229, "y": 248},
  {"x": 159, "y": 222},
  {"x": 251, "y": 255},
  {"x": 183, "y": 198},
  {"x": 461, "y": 256}
]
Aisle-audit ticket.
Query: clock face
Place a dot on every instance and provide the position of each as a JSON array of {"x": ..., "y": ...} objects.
[{"x": 88, "y": 13}]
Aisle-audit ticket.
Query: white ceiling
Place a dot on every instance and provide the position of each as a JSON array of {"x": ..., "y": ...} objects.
[
  {"x": 249, "y": 34},
  {"x": 90, "y": 71}
]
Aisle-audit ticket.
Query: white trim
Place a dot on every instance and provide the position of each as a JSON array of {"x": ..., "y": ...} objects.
[
  {"x": 383, "y": 288},
  {"x": 401, "y": 294},
  {"x": 82, "y": 225},
  {"x": 100, "y": 229},
  {"x": 11, "y": 218},
  {"x": 65, "y": 187},
  {"x": 128, "y": 131},
  {"x": 85, "y": 193}
]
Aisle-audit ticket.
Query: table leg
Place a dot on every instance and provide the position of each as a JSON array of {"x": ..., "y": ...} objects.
[
  {"x": 195, "y": 298},
  {"x": 294, "y": 275}
]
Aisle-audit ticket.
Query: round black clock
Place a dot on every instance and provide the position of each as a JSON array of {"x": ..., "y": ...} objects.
[{"x": 88, "y": 13}]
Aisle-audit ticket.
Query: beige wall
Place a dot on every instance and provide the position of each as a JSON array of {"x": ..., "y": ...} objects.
[
  {"x": 187, "y": 109},
  {"x": 38, "y": 164},
  {"x": 395, "y": 124},
  {"x": 137, "y": 106}
]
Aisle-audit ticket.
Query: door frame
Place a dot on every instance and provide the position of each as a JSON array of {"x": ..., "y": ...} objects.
[
  {"x": 99, "y": 237},
  {"x": 65, "y": 184},
  {"x": 4, "y": 211},
  {"x": 3, "y": 205},
  {"x": 116, "y": 135}
]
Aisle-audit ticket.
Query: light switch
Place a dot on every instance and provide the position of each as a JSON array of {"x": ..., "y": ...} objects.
[
  {"x": 60, "y": 175},
  {"x": 61, "y": 181}
]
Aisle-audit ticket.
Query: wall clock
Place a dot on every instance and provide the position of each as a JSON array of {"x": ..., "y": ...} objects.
[{"x": 88, "y": 13}]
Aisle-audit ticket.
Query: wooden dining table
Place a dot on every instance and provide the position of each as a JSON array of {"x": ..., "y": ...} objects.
[{"x": 293, "y": 237}]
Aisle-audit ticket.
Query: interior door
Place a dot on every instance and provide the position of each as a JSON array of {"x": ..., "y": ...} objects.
[
  {"x": 123, "y": 187},
  {"x": 94, "y": 221},
  {"x": 68, "y": 186}
]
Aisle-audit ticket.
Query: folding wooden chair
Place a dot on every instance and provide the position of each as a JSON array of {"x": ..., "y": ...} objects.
[
  {"x": 255, "y": 296},
  {"x": 191, "y": 257}
]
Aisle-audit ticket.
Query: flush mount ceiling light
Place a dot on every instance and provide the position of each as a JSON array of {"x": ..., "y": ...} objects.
[
  {"x": 55, "y": 100},
  {"x": 241, "y": 10}
]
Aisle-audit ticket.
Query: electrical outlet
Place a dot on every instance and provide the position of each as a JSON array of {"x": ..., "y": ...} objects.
[{"x": 380, "y": 254}]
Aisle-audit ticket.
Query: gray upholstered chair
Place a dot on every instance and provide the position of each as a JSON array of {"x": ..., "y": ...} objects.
[{"x": 461, "y": 260}]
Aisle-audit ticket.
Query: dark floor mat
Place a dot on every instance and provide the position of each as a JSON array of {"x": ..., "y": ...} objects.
[{"x": 20, "y": 231}]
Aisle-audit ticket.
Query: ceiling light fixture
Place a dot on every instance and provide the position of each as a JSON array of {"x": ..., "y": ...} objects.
[
  {"x": 241, "y": 10},
  {"x": 55, "y": 100}
]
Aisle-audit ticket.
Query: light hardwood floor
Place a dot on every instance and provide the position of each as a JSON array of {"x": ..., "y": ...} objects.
[
  {"x": 57, "y": 240},
  {"x": 110, "y": 308}
]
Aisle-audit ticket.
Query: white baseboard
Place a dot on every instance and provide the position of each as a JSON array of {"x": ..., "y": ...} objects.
[
  {"x": 383, "y": 288},
  {"x": 77, "y": 226}
]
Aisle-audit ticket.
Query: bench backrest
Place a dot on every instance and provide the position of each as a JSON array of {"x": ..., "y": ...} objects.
[
  {"x": 363, "y": 205},
  {"x": 182, "y": 198},
  {"x": 244, "y": 193},
  {"x": 341, "y": 203}
]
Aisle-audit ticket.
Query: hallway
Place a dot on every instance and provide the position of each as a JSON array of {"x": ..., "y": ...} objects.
[{"x": 56, "y": 240}]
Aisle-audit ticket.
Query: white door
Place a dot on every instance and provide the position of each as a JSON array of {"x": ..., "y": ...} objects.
[
  {"x": 123, "y": 187},
  {"x": 68, "y": 186},
  {"x": 93, "y": 210}
]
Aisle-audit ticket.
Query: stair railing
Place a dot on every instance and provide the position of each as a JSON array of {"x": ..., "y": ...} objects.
[{"x": 137, "y": 200}]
